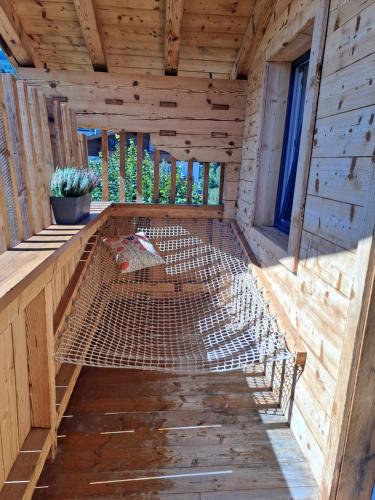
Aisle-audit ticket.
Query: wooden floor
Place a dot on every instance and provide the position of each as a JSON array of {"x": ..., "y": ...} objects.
[{"x": 134, "y": 434}]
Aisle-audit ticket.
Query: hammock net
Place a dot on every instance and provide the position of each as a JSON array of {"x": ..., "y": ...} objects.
[{"x": 201, "y": 311}]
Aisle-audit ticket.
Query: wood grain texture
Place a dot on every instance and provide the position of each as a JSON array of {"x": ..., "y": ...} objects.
[
  {"x": 122, "y": 165},
  {"x": 39, "y": 334},
  {"x": 105, "y": 180},
  {"x": 174, "y": 10},
  {"x": 90, "y": 31},
  {"x": 181, "y": 426},
  {"x": 16, "y": 38}
]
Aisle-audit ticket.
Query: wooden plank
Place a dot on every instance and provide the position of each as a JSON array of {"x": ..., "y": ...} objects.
[
  {"x": 90, "y": 31},
  {"x": 356, "y": 337},
  {"x": 16, "y": 38},
  {"x": 85, "y": 152},
  {"x": 4, "y": 230},
  {"x": 12, "y": 168},
  {"x": 59, "y": 137},
  {"x": 189, "y": 187},
  {"x": 256, "y": 27},
  {"x": 174, "y": 10},
  {"x": 40, "y": 344},
  {"x": 122, "y": 179},
  {"x": 26, "y": 470},
  {"x": 356, "y": 472},
  {"x": 183, "y": 211},
  {"x": 49, "y": 165},
  {"x": 39, "y": 158},
  {"x": 74, "y": 137},
  {"x": 8, "y": 402},
  {"x": 139, "y": 166},
  {"x": 222, "y": 182},
  {"x": 67, "y": 134},
  {"x": 105, "y": 186},
  {"x": 172, "y": 196},
  {"x": 307, "y": 131},
  {"x": 156, "y": 175},
  {"x": 21, "y": 376},
  {"x": 206, "y": 178}
]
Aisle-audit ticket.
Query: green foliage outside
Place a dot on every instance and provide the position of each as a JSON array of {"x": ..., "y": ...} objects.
[{"x": 148, "y": 178}]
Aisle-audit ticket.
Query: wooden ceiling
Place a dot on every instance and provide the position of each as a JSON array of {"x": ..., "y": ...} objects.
[{"x": 200, "y": 38}]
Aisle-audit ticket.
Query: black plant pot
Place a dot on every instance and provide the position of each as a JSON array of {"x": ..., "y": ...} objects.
[{"x": 70, "y": 210}]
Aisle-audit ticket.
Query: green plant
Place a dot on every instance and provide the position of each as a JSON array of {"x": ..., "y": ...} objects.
[{"x": 73, "y": 182}]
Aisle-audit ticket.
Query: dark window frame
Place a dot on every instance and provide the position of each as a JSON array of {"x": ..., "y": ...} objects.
[{"x": 292, "y": 132}]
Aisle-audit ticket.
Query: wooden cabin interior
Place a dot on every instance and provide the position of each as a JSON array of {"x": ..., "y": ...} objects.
[{"x": 281, "y": 95}]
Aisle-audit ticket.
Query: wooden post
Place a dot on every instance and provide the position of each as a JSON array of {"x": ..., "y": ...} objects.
[
  {"x": 189, "y": 187},
  {"x": 59, "y": 134},
  {"x": 122, "y": 166},
  {"x": 105, "y": 187},
  {"x": 222, "y": 178},
  {"x": 206, "y": 177},
  {"x": 172, "y": 198},
  {"x": 86, "y": 152},
  {"x": 156, "y": 175},
  {"x": 40, "y": 346},
  {"x": 40, "y": 167},
  {"x": 139, "y": 166}
]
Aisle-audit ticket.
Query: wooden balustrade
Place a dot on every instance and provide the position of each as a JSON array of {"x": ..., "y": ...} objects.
[{"x": 172, "y": 196}]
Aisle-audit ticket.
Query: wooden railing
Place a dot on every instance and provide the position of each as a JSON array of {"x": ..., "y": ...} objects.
[{"x": 156, "y": 174}]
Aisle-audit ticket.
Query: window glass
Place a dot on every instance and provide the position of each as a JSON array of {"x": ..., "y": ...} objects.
[{"x": 291, "y": 143}]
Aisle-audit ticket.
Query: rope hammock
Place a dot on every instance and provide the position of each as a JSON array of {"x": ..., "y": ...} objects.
[{"x": 200, "y": 311}]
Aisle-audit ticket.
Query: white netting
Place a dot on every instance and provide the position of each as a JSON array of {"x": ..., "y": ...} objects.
[{"x": 201, "y": 311}]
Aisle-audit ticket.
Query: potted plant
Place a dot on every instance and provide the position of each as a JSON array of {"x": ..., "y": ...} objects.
[{"x": 71, "y": 193}]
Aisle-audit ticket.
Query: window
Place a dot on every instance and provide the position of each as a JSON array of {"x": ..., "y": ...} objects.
[{"x": 291, "y": 143}]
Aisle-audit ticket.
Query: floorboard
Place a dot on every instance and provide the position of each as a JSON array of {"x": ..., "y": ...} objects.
[{"x": 132, "y": 434}]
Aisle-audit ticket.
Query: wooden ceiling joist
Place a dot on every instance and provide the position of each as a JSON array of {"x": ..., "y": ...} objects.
[
  {"x": 19, "y": 43},
  {"x": 173, "y": 21},
  {"x": 87, "y": 19},
  {"x": 256, "y": 27}
]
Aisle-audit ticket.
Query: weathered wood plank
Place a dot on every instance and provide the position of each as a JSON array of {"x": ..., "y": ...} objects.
[
  {"x": 189, "y": 187},
  {"x": 139, "y": 166},
  {"x": 122, "y": 166},
  {"x": 206, "y": 178},
  {"x": 90, "y": 31},
  {"x": 17, "y": 39},
  {"x": 172, "y": 196},
  {"x": 156, "y": 176},
  {"x": 173, "y": 22},
  {"x": 105, "y": 184},
  {"x": 39, "y": 334}
]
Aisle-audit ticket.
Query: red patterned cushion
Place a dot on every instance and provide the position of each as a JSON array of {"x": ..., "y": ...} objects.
[{"x": 133, "y": 252}]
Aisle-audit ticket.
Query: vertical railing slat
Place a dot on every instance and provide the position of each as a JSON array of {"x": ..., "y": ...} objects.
[
  {"x": 206, "y": 176},
  {"x": 32, "y": 180},
  {"x": 189, "y": 186},
  {"x": 41, "y": 167},
  {"x": 222, "y": 177},
  {"x": 172, "y": 197},
  {"x": 122, "y": 165},
  {"x": 105, "y": 187},
  {"x": 139, "y": 166},
  {"x": 156, "y": 176},
  {"x": 59, "y": 137},
  {"x": 85, "y": 152}
]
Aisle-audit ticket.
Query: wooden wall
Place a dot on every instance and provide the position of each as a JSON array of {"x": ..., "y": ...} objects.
[
  {"x": 338, "y": 220},
  {"x": 189, "y": 117}
]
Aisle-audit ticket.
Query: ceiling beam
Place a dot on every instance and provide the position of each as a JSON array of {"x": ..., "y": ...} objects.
[
  {"x": 87, "y": 19},
  {"x": 173, "y": 21},
  {"x": 17, "y": 40},
  {"x": 256, "y": 27}
]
